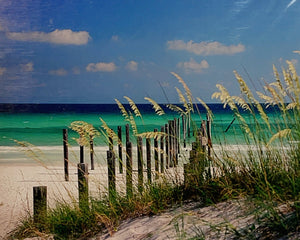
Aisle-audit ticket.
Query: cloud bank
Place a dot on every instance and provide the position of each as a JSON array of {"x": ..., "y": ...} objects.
[
  {"x": 101, "y": 67},
  {"x": 58, "y": 72},
  {"x": 132, "y": 66},
  {"x": 193, "y": 66},
  {"x": 65, "y": 37},
  {"x": 205, "y": 48}
]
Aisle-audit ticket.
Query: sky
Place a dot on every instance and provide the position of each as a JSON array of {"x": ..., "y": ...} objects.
[{"x": 95, "y": 51}]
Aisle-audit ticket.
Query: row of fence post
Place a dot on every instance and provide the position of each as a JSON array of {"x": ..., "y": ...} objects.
[
  {"x": 40, "y": 193},
  {"x": 167, "y": 151},
  {"x": 168, "y": 148},
  {"x": 200, "y": 155}
]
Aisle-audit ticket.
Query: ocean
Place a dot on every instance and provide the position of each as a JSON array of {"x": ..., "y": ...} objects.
[{"x": 41, "y": 124}]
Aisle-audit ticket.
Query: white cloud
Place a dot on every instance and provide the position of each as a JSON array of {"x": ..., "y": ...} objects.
[
  {"x": 101, "y": 67},
  {"x": 58, "y": 72},
  {"x": 205, "y": 48},
  {"x": 132, "y": 66},
  {"x": 2, "y": 70},
  {"x": 290, "y": 4},
  {"x": 193, "y": 66},
  {"x": 115, "y": 38},
  {"x": 28, "y": 67},
  {"x": 65, "y": 36}
]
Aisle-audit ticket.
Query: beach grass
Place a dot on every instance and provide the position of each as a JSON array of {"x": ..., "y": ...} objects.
[{"x": 266, "y": 169}]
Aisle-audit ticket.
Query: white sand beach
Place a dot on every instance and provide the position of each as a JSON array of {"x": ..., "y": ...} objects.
[{"x": 19, "y": 174}]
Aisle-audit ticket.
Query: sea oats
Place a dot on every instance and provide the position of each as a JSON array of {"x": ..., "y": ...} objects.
[
  {"x": 242, "y": 103},
  {"x": 267, "y": 99},
  {"x": 209, "y": 112},
  {"x": 122, "y": 109},
  {"x": 158, "y": 110},
  {"x": 109, "y": 132},
  {"x": 133, "y": 124},
  {"x": 280, "y": 134},
  {"x": 183, "y": 100},
  {"x": 187, "y": 90},
  {"x": 154, "y": 135},
  {"x": 134, "y": 108},
  {"x": 177, "y": 109},
  {"x": 86, "y": 132}
]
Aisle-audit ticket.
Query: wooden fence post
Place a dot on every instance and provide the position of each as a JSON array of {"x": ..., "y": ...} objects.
[
  {"x": 184, "y": 130},
  {"x": 171, "y": 145},
  {"x": 148, "y": 151},
  {"x": 92, "y": 153},
  {"x": 66, "y": 153},
  {"x": 110, "y": 143},
  {"x": 129, "y": 169},
  {"x": 140, "y": 163},
  {"x": 120, "y": 149},
  {"x": 175, "y": 142},
  {"x": 189, "y": 124},
  {"x": 156, "y": 155},
  {"x": 127, "y": 133},
  {"x": 83, "y": 188},
  {"x": 167, "y": 145},
  {"x": 178, "y": 136},
  {"x": 162, "y": 129},
  {"x": 111, "y": 174},
  {"x": 209, "y": 143},
  {"x": 39, "y": 203},
  {"x": 203, "y": 135},
  {"x": 81, "y": 154}
]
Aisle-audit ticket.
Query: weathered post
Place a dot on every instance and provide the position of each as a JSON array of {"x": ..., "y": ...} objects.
[
  {"x": 140, "y": 163},
  {"x": 81, "y": 154},
  {"x": 120, "y": 149},
  {"x": 111, "y": 174},
  {"x": 162, "y": 129},
  {"x": 66, "y": 153},
  {"x": 171, "y": 145},
  {"x": 209, "y": 143},
  {"x": 175, "y": 142},
  {"x": 127, "y": 133},
  {"x": 184, "y": 130},
  {"x": 178, "y": 135},
  {"x": 156, "y": 155},
  {"x": 110, "y": 143},
  {"x": 148, "y": 153},
  {"x": 203, "y": 135},
  {"x": 129, "y": 169},
  {"x": 167, "y": 145},
  {"x": 39, "y": 203},
  {"x": 83, "y": 188},
  {"x": 92, "y": 154},
  {"x": 189, "y": 124}
]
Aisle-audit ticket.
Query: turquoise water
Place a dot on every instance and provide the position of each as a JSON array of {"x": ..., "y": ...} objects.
[{"x": 45, "y": 129}]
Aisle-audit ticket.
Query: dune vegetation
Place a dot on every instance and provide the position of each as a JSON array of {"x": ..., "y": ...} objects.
[{"x": 266, "y": 171}]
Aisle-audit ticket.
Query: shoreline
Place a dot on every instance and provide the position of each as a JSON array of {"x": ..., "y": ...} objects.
[{"x": 18, "y": 177}]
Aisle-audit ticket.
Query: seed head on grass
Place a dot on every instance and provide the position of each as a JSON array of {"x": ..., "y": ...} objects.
[{"x": 158, "y": 110}]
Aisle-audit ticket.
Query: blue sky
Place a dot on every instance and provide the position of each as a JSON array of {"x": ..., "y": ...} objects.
[{"x": 95, "y": 51}]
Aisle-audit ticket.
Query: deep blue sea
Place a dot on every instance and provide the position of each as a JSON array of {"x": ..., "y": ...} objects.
[{"x": 42, "y": 124}]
